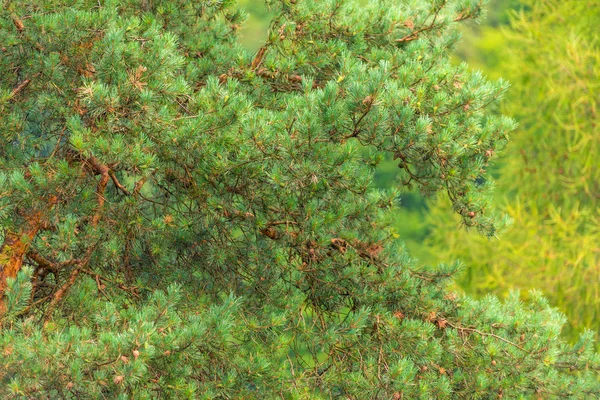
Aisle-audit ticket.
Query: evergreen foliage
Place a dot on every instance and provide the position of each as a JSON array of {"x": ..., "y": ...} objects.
[
  {"x": 202, "y": 222},
  {"x": 549, "y": 180}
]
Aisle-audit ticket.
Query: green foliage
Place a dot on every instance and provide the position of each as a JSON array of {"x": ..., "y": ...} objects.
[
  {"x": 549, "y": 180},
  {"x": 18, "y": 293},
  {"x": 204, "y": 220}
]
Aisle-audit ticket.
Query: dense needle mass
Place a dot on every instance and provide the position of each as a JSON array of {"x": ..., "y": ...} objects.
[{"x": 186, "y": 220}]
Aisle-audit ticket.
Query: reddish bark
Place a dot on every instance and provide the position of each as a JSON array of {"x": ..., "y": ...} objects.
[
  {"x": 16, "y": 244},
  {"x": 13, "y": 252}
]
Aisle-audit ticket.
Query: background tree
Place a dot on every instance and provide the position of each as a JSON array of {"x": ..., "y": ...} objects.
[
  {"x": 183, "y": 219},
  {"x": 548, "y": 182}
]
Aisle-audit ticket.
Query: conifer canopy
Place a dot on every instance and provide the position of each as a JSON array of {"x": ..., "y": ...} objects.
[{"x": 182, "y": 219}]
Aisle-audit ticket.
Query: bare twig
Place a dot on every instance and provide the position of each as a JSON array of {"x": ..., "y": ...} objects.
[
  {"x": 118, "y": 184},
  {"x": 19, "y": 88},
  {"x": 463, "y": 329}
]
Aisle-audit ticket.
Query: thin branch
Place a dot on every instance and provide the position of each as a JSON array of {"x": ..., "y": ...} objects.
[
  {"x": 118, "y": 184},
  {"x": 131, "y": 290},
  {"x": 58, "y": 296},
  {"x": 139, "y": 185},
  {"x": 19, "y": 88},
  {"x": 462, "y": 329},
  {"x": 104, "y": 172}
]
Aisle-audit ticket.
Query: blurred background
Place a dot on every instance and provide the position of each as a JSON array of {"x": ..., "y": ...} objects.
[{"x": 548, "y": 177}]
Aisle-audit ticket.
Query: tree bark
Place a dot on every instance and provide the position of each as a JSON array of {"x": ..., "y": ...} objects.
[
  {"x": 13, "y": 252},
  {"x": 16, "y": 244}
]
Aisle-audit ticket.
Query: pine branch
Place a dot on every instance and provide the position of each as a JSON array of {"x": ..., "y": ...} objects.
[{"x": 463, "y": 329}]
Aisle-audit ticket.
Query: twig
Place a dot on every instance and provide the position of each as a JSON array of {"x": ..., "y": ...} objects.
[
  {"x": 260, "y": 56},
  {"x": 19, "y": 88},
  {"x": 104, "y": 173},
  {"x": 462, "y": 329},
  {"x": 116, "y": 182},
  {"x": 139, "y": 185},
  {"x": 97, "y": 277}
]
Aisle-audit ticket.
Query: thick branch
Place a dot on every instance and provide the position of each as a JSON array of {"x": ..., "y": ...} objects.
[
  {"x": 13, "y": 252},
  {"x": 16, "y": 246},
  {"x": 42, "y": 262}
]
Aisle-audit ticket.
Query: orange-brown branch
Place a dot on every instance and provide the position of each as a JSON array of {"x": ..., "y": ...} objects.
[
  {"x": 13, "y": 252},
  {"x": 16, "y": 245},
  {"x": 20, "y": 87},
  {"x": 104, "y": 173},
  {"x": 105, "y": 176}
]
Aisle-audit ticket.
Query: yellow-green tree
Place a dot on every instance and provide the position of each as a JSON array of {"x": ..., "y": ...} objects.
[{"x": 549, "y": 180}]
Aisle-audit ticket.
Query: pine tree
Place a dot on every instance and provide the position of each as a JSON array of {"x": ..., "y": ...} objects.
[
  {"x": 548, "y": 181},
  {"x": 201, "y": 222}
]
